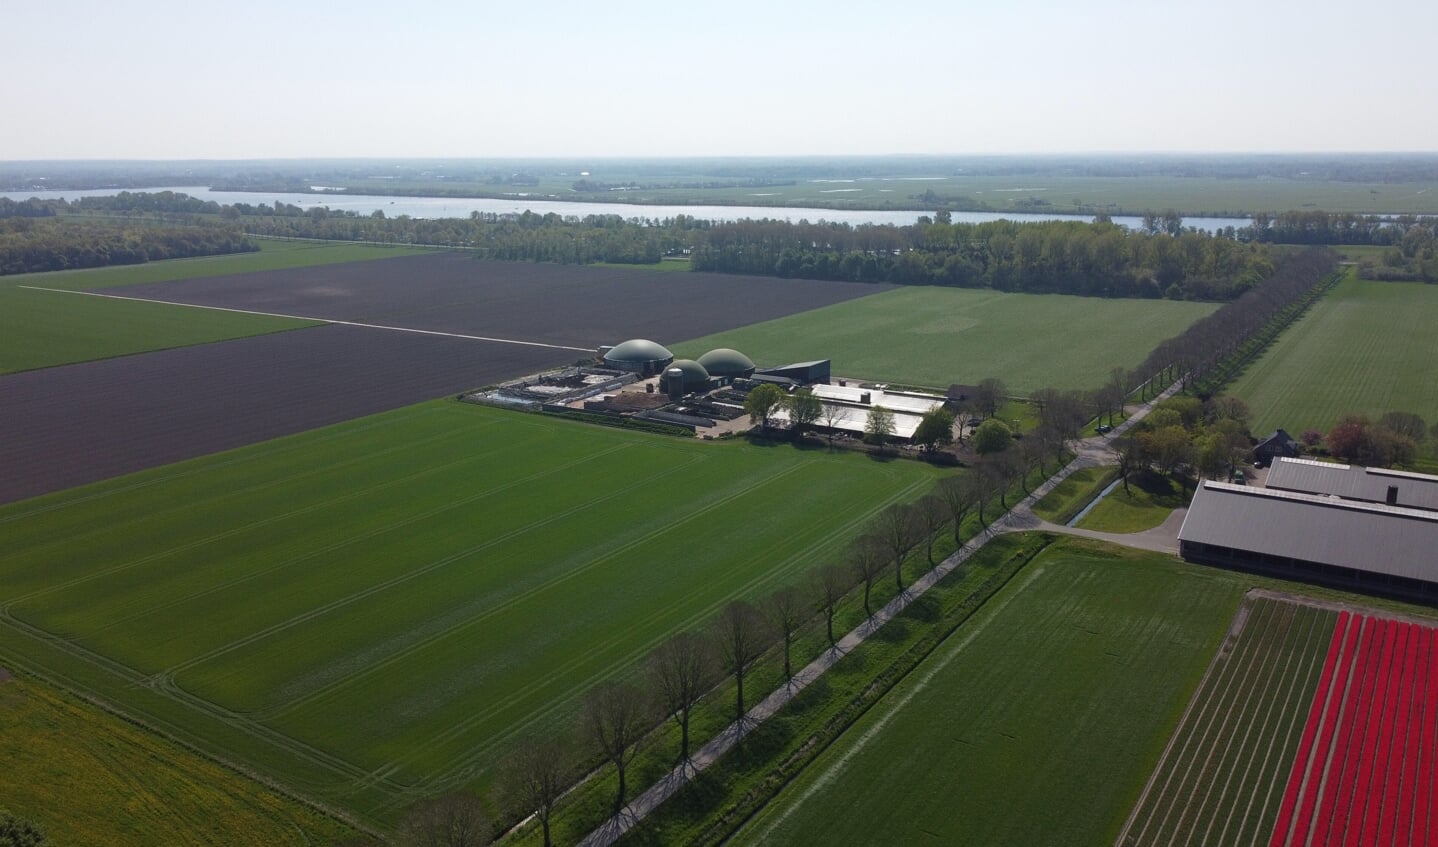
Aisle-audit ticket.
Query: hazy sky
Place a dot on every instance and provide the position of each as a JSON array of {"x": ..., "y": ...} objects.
[{"x": 259, "y": 79}]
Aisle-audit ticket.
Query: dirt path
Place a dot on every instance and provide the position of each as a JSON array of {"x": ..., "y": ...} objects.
[{"x": 1089, "y": 453}]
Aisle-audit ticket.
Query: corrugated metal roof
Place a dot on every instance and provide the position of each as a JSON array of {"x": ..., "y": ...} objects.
[
  {"x": 1369, "y": 537},
  {"x": 1417, "y": 491}
]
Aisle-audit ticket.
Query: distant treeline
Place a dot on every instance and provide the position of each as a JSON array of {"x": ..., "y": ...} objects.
[
  {"x": 28, "y": 246},
  {"x": 1348, "y": 167}
]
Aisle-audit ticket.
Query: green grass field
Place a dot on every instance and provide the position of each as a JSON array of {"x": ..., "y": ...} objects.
[
  {"x": 370, "y": 612},
  {"x": 1148, "y": 502},
  {"x": 39, "y": 329},
  {"x": 1367, "y": 347},
  {"x": 92, "y": 779},
  {"x": 273, "y": 255},
  {"x": 43, "y": 328},
  {"x": 1072, "y": 676},
  {"x": 936, "y": 336}
]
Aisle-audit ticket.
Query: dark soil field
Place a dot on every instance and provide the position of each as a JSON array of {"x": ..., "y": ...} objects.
[
  {"x": 75, "y": 424},
  {"x": 554, "y": 304}
]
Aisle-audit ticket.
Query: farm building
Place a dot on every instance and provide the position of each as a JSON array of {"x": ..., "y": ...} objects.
[
  {"x": 1351, "y": 544},
  {"x": 801, "y": 373},
  {"x": 1368, "y": 485},
  {"x": 851, "y": 408},
  {"x": 1277, "y": 444},
  {"x": 638, "y": 355}
]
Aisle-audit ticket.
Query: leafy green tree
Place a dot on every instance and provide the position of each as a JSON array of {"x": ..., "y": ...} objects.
[
  {"x": 991, "y": 437},
  {"x": 879, "y": 426},
  {"x": 762, "y": 403},
  {"x": 804, "y": 410},
  {"x": 936, "y": 428}
]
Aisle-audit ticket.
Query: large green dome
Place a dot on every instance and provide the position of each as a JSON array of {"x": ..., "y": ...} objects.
[
  {"x": 640, "y": 355},
  {"x": 725, "y": 362}
]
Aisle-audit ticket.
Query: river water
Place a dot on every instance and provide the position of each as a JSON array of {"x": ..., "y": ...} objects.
[{"x": 459, "y": 207}]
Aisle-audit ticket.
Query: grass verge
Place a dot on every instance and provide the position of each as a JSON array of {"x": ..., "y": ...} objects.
[
  {"x": 1071, "y": 496},
  {"x": 1148, "y": 502}
]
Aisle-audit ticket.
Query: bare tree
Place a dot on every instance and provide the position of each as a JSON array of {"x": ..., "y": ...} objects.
[
  {"x": 831, "y": 583},
  {"x": 988, "y": 395},
  {"x": 984, "y": 485},
  {"x": 933, "y": 516},
  {"x": 451, "y": 820},
  {"x": 739, "y": 633},
  {"x": 901, "y": 530},
  {"x": 1002, "y": 472},
  {"x": 682, "y": 669},
  {"x": 535, "y": 776},
  {"x": 786, "y": 612},
  {"x": 868, "y": 559},
  {"x": 832, "y": 415},
  {"x": 958, "y": 496},
  {"x": 614, "y": 717}
]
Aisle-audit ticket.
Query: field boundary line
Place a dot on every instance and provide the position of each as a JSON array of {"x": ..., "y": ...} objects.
[
  {"x": 331, "y": 321},
  {"x": 1235, "y": 630}
]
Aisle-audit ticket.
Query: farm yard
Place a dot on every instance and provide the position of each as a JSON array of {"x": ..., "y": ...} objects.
[
  {"x": 1367, "y": 347},
  {"x": 373, "y": 610},
  {"x": 1073, "y": 675},
  {"x": 937, "y": 336}
]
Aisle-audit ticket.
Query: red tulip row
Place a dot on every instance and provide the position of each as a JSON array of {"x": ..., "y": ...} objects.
[{"x": 1364, "y": 770}]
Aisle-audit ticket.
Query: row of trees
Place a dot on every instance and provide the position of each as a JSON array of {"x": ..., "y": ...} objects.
[
  {"x": 1099, "y": 259},
  {"x": 1197, "y": 354},
  {"x": 28, "y": 245},
  {"x": 617, "y": 716}
]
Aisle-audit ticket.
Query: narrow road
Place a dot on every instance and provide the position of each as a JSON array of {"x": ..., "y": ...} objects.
[{"x": 1089, "y": 453}]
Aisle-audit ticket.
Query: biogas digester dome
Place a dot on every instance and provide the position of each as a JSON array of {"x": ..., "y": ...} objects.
[
  {"x": 639, "y": 355},
  {"x": 690, "y": 374},
  {"x": 726, "y": 363}
]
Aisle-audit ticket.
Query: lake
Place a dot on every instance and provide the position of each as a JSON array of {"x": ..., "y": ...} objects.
[{"x": 460, "y": 207}]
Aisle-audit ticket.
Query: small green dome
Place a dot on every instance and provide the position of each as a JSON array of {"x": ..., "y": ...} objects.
[
  {"x": 690, "y": 374},
  {"x": 727, "y": 363}
]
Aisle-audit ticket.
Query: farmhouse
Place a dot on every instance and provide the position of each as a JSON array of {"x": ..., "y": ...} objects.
[
  {"x": 1353, "y": 544},
  {"x": 1278, "y": 443}
]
